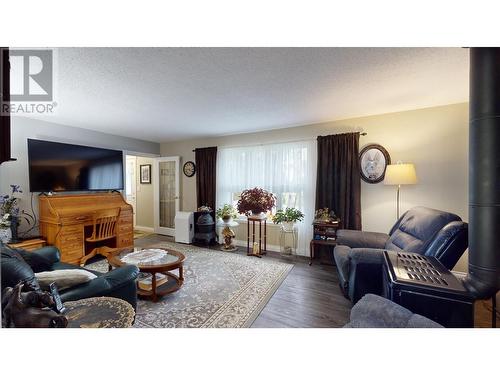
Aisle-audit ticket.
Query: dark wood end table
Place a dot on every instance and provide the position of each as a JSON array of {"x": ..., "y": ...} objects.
[{"x": 327, "y": 231}]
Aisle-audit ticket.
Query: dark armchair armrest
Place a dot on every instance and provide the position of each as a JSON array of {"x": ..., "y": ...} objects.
[
  {"x": 360, "y": 239},
  {"x": 365, "y": 272},
  {"x": 50, "y": 253},
  {"x": 120, "y": 283}
]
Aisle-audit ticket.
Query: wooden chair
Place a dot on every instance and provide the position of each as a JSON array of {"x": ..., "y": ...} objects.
[{"x": 104, "y": 228}]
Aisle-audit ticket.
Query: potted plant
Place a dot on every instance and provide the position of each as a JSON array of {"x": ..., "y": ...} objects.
[
  {"x": 227, "y": 213},
  {"x": 205, "y": 209},
  {"x": 255, "y": 202},
  {"x": 324, "y": 215},
  {"x": 10, "y": 215},
  {"x": 288, "y": 218}
]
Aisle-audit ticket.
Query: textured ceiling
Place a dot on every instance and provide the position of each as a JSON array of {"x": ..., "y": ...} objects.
[{"x": 165, "y": 94}]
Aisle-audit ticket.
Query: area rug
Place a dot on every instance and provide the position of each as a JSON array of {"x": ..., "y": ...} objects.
[{"x": 221, "y": 290}]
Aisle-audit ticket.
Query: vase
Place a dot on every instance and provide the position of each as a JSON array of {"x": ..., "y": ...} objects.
[
  {"x": 288, "y": 225},
  {"x": 5, "y": 235},
  {"x": 14, "y": 225},
  {"x": 258, "y": 214},
  {"x": 227, "y": 219}
]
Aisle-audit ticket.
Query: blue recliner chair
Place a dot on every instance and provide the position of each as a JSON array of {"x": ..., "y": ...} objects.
[{"x": 359, "y": 255}]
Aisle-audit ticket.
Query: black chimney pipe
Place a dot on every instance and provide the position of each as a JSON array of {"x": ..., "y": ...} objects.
[{"x": 483, "y": 280}]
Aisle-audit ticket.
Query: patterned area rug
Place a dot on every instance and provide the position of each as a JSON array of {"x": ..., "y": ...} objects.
[{"x": 220, "y": 289}]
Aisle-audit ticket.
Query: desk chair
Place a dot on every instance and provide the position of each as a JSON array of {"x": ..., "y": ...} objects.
[{"x": 104, "y": 228}]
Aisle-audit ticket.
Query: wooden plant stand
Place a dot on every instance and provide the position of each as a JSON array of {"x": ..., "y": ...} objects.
[{"x": 251, "y": 222}]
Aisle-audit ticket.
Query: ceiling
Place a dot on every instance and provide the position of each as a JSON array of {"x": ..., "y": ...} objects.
[{"x": 168, "y": 94}]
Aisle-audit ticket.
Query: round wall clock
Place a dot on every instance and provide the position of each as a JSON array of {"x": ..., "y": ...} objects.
[
  {"x": 189, "y": 169},
  {"x": 373, "y": 160}
]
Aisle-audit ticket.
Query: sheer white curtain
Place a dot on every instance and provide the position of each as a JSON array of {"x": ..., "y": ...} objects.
[{"x": 286, "y": 169}]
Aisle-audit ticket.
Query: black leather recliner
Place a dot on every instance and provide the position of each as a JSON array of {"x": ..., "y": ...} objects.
[
  {"x": 426, "y": 231},
  {"x": 20, "y": 265}
]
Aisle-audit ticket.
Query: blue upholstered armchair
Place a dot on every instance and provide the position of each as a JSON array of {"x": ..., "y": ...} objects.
[{"x": 359, "y": 255}]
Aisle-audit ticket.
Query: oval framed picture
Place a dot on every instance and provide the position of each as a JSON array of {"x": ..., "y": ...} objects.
[
  {"x": 373, "y": 160},
  {"x": 189, "y": 169}
]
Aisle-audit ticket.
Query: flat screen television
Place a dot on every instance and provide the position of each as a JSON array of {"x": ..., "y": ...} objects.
[{"x": 61, "y": 167}]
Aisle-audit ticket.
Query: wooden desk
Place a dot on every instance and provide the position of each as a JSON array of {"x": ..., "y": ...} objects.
[
  {"x": 66, "y": 220},
  {"x": 323, "y": 229},
  {"x": 33, "y": 244}
]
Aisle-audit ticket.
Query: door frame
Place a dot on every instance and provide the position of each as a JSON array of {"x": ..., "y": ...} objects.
[{"x": 156, "y": 183}]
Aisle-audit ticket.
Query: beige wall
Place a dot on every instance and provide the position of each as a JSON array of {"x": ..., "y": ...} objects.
[
  {"x": 144, "y": 197},
  {"x": 434, "y": 139}
]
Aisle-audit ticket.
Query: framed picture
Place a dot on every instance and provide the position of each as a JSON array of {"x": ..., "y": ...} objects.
[
  {"x": 145, "y": 173},
  {"x": 373, "y": 160}
]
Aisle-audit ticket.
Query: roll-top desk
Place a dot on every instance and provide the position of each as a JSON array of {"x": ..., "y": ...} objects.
[{"x": 65, "y": 221}]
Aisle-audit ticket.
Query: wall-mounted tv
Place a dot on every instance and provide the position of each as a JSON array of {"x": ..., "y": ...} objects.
[{"x": 61, "y": 167}]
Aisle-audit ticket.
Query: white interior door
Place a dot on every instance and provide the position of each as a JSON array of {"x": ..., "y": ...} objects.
[
  {"x": 166, "y": 191},
  {"x": 131, "y": 183}
]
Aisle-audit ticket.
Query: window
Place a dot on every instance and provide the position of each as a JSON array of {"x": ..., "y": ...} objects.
[{"x": 288, "y": 170}]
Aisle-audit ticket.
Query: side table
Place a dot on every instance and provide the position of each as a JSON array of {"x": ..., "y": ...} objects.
[
  {"x": 251, "y": 223},
  {"x": 325, "y": 234},
  {"x": 29, "y": 245},
  {"x": 288, "y": 250},
  {"x": 99, "y": 312}
]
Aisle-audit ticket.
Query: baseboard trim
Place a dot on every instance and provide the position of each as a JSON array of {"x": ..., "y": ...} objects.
[
  {"x": 274, "y": 248},
  {"x": 144, "y": 229}
]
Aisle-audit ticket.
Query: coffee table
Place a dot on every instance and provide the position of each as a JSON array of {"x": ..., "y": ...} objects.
[{"x": 162, "y": 260}]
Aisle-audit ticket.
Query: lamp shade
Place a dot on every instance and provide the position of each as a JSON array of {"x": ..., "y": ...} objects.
[{"x": 400, "y": 174}]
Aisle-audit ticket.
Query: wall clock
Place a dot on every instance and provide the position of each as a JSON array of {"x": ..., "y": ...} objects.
[
  {"x": 189, "y": 169},
  {"x": 373, "y": 160}
]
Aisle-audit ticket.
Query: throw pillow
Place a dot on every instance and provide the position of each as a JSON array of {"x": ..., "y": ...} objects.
[{"x": 64, "y": 279}]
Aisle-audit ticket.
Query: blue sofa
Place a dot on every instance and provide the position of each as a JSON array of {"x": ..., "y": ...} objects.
[
  {"x": 359, "y": 255},
  {"x": 373, "y": 311}
]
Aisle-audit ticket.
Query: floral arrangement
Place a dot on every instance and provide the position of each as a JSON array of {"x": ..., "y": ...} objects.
[
  {"x": 9, "y": 210},
  {"x": 205, "y": 209},
  {"x": 227, "y": 212},
  {"x": 324, "y": 214},
  {"x": 9, "y": 206},
  {"x": 255, "y": 201},
  {"x": 290, "y": 215}
]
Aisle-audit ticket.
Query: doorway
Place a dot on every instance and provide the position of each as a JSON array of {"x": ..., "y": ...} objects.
[{"x": 139, "y": 192}]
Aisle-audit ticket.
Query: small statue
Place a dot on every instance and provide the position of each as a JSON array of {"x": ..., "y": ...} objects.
[
  {"x": 31, "y": 309},
  {"x": 228, "y": 235}
]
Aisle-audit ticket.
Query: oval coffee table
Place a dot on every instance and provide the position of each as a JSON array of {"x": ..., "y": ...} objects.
[{"x": 153, "y": 261}]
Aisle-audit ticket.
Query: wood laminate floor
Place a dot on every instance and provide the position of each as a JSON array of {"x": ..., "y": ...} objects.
[{"x": 309, "y": 297}]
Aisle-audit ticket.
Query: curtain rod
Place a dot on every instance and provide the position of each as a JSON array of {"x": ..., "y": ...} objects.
[{"x": 270, "y": 143}]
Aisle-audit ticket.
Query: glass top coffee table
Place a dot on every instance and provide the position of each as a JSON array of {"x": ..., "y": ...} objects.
[{"x": 154, "y": 264}]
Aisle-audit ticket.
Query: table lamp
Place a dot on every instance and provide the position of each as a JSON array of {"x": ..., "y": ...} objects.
[{"x": 400, "y": 174}]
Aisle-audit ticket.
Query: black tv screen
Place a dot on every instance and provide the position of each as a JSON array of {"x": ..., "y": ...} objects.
[{"x": 57, "y": 166}]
